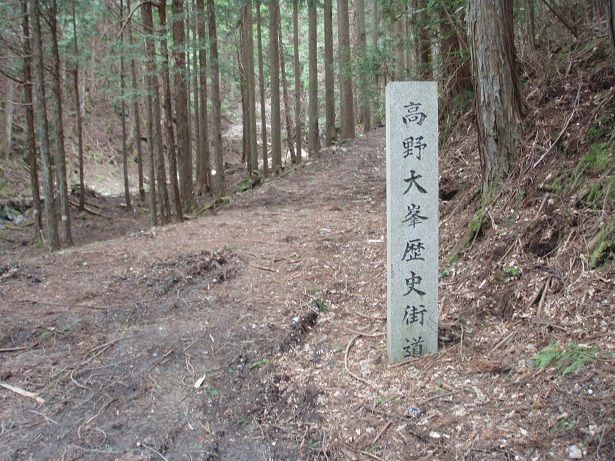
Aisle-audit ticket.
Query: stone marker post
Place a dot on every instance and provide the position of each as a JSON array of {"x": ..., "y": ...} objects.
[{"x": 412, "y": 219}]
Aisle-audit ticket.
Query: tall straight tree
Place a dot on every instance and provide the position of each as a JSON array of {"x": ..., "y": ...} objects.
[
  {"x": 29, "y": 99},
  {"x": 274, "y": 70},
  {"x": 154, "y": 121},
  {"x": 184, "y": 152},
  {"x": 313, "y": 141},
  {"x": 204, "y": 171},
  {"x": 261, "y": 84},
  {"x": 329, "y": 77},
  {"x": 361, "y": 50},
  {"x": 168, "y": 111},
  {"x": 123, "y": 111},
  {"x": 498, "y": 100},
  {"x": 287, "y": 118},
  {"x": 196, "y": 72},
  {"x": 135, "y": 107},
  {"x": 248, "y": 54},
  {"x": 374, "y": 44},
  {"x": 57, "y": 131},
  {"x": 347, "y": 128},
  {"x": 42, "y": 129},
  {"x": 78, "y": 109},
  {"x": 424, "y": 41},
  {"x": 297, "y": 71},
  {"x": 215, "y": 99}
]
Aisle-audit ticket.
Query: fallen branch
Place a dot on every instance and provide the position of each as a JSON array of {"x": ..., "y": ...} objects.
[
  {"x": 23, "y": 393},
  {"x": 358, "y": 378}
]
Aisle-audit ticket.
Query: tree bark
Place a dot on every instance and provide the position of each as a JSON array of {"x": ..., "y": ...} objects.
[
  {"x": 377, "y": 80},
  {"x": 57, "y": 130},
  {"x": 184, "y": 153},
  {"x": 248, "y": 54},
  {"x": 297, "y": 71},
  {"x": 196, "y": 73},
  {"x": 329, "y": 75},
  {"x": 498, "y": 100},
  {"x": 135, "y": 109},
  {"x": 274, "y": 69},
  {"x": 261, "y": 84},
  {"x": 347, "y": 128},
  {"x": 400, "y": 46},
  {"x": 29, "y": 99},
  {"x": 42, "y": 129},
  {"x": 9, "y": 112},
  {"x": 215, "y": 99},
  {"x": 361, "y": 50},
  {"x": 154, "y": 123},
  {"x": 168, "y": 112},
  {"x": 123, "y": 112},
  {"x": 78, "y": 111},
  {"x": 612, "y": 30},
  {"x": 313, "y": 141},
  {"x": 287, "y": 118},
  {"x": 204, "y": 172}
]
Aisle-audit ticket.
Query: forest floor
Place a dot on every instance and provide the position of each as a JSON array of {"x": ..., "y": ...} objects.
[{"x": 256, "y": 332}]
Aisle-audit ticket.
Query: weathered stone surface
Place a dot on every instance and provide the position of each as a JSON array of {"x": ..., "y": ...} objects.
[{"x": 412, "y": 219}]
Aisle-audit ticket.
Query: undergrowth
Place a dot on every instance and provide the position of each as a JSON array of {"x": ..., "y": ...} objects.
[{"x": 569, "y": 359}]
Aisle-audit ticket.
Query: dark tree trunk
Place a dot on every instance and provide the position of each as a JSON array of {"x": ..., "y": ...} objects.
[
  {"x": 184, "y": 153},
  {"x": 329, "y": 75},
  {"x": 347, "y": 128},
  {"x": 313, "y": 141},
  {"x": 287, "y": 118},
  {"x": 28, "y": 98},
  {"x": 204, "y": 173},
  {"x": 154, "y": 121},
  {"x": 57, "y": 130},
  {"x": 297, "y": 70},
  {"x": 361, "y": 50},
  {"x": 42, "y": 129},
  {"x": 261, "y": 84},
  {"x": 274, "y": 69},
  {"x": 123, "y": 113},
  {"x": 135, "y": 110},
  {"x": 498, "y": 100},
  {"x": 168, "y": 112},
  {"x": 78, "y": 111}
]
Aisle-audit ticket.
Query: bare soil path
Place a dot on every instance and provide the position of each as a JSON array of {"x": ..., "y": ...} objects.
[{"x": 256, "y": 333}]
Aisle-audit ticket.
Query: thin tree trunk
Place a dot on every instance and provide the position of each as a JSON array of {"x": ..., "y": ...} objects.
[
  {"x": 168, "y": 112},
  {"x": 245, "y": 126},
  {"x": 612, "y": 30},
  {"x": 329, "y": 75},
  {"x": 375, "y": 37},
  {"x": 287, "y": 118},
  {"x": 196, "y": 73},
  {"x": 57, "y": 129},
  {"x": 154, "y": 121},
  {"x": 261, "y": 84},
  {"x": 297, "y": 69},
  {"x": 249, "y": 70},
  {"x": 9, "y": 111},
  {"x": 42, "y": 130},
  {"x": 498, "y": 100},
  {"x": 123, "y": 113},
  {"x": 313, "y": 141},
  {"x": 531, "y": 23},
  {"x": 215, "y": 99},
  {"x": 184, "y": 153},
  {"x": 78, "y": 111},
  {"x": 204, "y": 173},
  {"x": 362, "y": 49},
  {"x": 28, "y": 99},
  {"x": 400, "y": 47},
  {"x": 347, "y": 128},
  {"x": 274, "y": 69},
  {"x": 135, "y": 109}
]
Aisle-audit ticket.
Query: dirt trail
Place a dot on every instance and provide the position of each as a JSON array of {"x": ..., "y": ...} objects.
[
  {"x": 115, "y": 334},
  {"x": 275, "y": 305}
]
